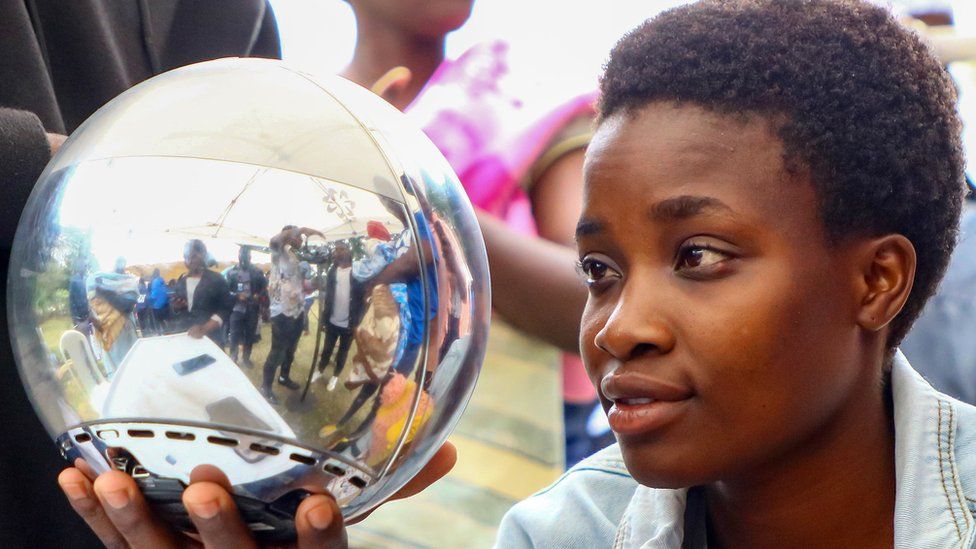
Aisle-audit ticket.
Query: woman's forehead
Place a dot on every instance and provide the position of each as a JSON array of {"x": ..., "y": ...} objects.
[
  {"x": 664, "y": 151},
  {"x": 683, "y": 130}
]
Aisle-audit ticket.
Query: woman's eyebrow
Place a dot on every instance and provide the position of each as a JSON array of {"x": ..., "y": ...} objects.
[
  {"x": 587, "y": 227},
  {"x": 683, "y": 207}
]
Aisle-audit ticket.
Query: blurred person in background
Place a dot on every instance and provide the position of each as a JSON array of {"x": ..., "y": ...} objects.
[
  {"x": 247, "y": 284},
  {"x": 518, "y": 163},
  {"x": 142, "y": 307},
  {"x": 202, "y": 298},
  {"x": 342, "y": 306},
  {"x": 159, "y": 302},
  {"x": 113, "y": 298},
  {"x": 78, "y": 297},
  {"x": 286, "y": 287},
  {"x": 941, "y": 345}
]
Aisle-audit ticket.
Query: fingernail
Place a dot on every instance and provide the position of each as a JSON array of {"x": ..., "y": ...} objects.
[
  {"x": 117, "y": 499},
  {"x": 205, "y": 509},
  {"x": 320, "y": 517},
  {"x": 75, "y": 491}
]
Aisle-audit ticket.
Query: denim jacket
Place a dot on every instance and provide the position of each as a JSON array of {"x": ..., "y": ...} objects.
[{"x": 598, "y": 504}]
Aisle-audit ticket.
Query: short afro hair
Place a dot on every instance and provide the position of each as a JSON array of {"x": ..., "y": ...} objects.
[{"x": 862, "y": 104}]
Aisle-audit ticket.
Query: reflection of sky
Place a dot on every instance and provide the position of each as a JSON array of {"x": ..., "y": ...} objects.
[{"x": 145, "y": 209}]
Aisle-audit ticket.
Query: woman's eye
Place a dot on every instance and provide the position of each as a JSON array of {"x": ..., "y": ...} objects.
[
  {"x": 699, "y": 258},
  {"x": 594, "y": 270}
]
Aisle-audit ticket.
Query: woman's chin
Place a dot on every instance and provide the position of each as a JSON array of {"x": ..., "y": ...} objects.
[{"x": 659, "y": 470}]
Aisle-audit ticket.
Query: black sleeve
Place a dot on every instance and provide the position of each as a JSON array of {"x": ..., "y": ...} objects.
[
  {"x": 223, "y": 301},
  {"x": 24, "y": 152},
  {"x": 33, "y": 511},
  {"x": 268, "y": 43},
  {"x": 259, "y": 282}
]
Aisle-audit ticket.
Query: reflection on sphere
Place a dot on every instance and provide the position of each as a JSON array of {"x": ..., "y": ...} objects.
[{"x": 238, "y": 264}]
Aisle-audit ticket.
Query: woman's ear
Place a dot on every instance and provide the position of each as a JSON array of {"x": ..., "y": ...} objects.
[{"x": 887, "y": 271}]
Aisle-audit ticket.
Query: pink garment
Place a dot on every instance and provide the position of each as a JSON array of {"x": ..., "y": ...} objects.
[
  {"x": 492, "y": 139},
  {"x": 577, "y": 388}
]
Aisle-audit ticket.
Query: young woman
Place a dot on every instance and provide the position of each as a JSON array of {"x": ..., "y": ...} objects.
[{"x": 771, "y": 197}]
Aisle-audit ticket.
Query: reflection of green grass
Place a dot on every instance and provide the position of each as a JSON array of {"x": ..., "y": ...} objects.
[
  {"x": 327, "y": 407},
  {"x": 51, "y": 330}
]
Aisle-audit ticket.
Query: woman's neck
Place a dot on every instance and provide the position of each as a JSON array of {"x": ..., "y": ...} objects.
[
  {"x": 836, "y": 490},
  {"x": 381, "y": 47}
]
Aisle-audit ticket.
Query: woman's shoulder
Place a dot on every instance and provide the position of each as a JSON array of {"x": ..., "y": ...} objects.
[
  {"x": 962, "y": 422},
  {"x": 935, "y": 457},
  {"x": 581, "y": 509}
]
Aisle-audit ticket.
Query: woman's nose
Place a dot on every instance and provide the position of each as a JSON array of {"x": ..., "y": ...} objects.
[{"x": 634, "y": 329}]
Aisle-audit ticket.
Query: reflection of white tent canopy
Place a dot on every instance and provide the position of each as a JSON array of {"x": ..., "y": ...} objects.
[
  {"x": 175, "y": 151},
  {"x": 253, "y": 111},
  {"x": 319, "y": 202},
  {"x": 168, "y": 200}
]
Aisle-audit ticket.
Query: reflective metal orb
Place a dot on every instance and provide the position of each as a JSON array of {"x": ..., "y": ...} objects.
[{"x": 238, "y": 264}]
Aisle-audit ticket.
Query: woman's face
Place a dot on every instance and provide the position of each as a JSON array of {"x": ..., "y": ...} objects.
[{"x": 720, "y": 328}]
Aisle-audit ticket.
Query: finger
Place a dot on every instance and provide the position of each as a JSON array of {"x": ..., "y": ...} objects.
[
  {"x": 78, "y": 489},
  {"x": 129, "y": 513},
  {"x": 438, "y": 466},
  {"x": 86, "y": 469},
  {"x": 209, "y": 473},
  {"x": 215, "y": 515},
  {"x": 319, "y": 524}
]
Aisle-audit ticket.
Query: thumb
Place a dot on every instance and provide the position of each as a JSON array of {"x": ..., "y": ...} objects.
[
  {"x": 319, "y": 524},
  {"x": 392, "y": 83}
]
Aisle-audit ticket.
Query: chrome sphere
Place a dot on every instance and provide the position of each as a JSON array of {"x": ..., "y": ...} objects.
[{"x": 239, "y": 264}]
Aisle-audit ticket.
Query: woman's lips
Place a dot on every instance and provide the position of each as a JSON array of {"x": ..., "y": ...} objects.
[
  {"x": 631, "y": 418},
  {"x": 642, "y": 404}
]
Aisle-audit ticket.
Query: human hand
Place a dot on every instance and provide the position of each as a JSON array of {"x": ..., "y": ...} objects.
[
  {"x": 197, "y": 331},
  {"x": 393, "y": 85},
  {"x": 117, "y": 513},
  {"x": 311, "y": 232},
  {"x": 54, "y": 141}
]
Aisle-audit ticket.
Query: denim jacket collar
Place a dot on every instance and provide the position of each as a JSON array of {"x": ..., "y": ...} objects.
[{"x": 931, "y": 509}]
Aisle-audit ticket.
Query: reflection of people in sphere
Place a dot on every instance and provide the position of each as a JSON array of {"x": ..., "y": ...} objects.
[
  {"x": 377, "y": 338},
  {"x": 112, "y": 304},
  {"x": 396, "y": 404},
  {"x": 159, "y": 301},
  {"x": 342, "y": 307},
  {"x": 201, "y": 295},
  {"x": 247, "y": 285},
  {"x": 78, "y": 297},
  {"x": 287, "y": 307}
]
